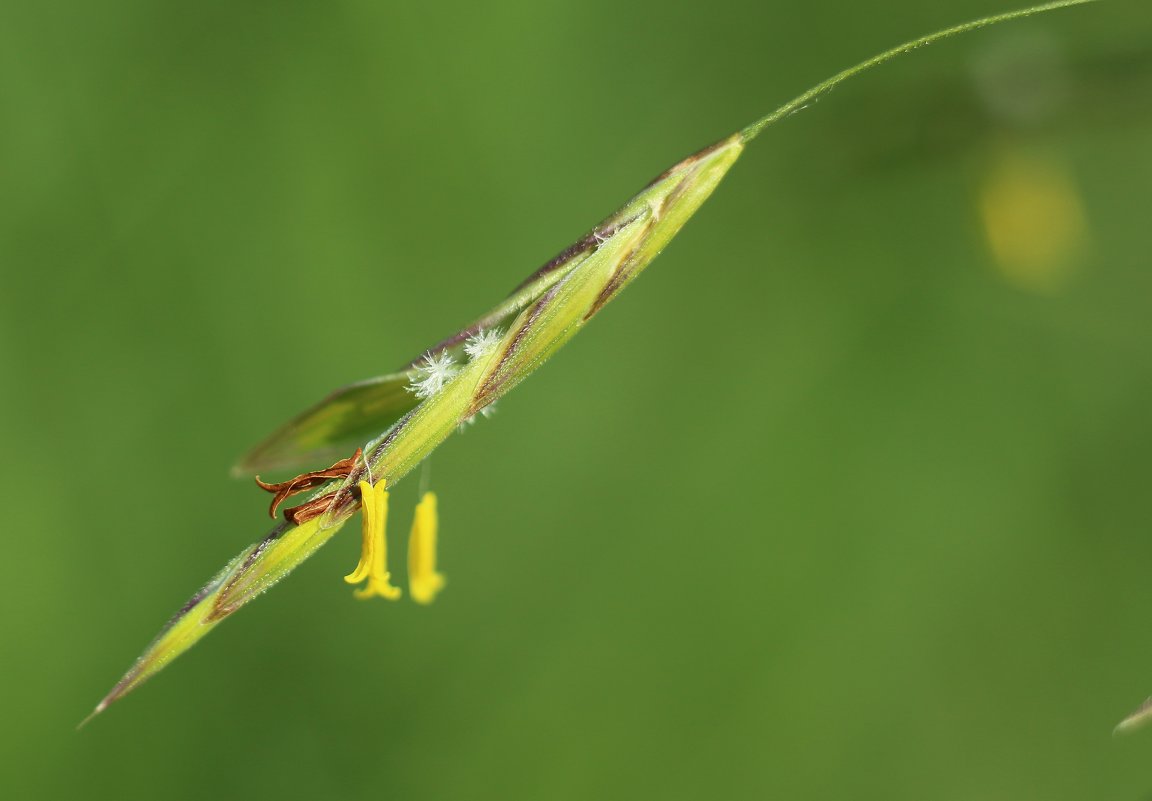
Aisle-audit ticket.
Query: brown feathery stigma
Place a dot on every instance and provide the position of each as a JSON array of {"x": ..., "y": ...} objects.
[{"x": 305, "y": 482}]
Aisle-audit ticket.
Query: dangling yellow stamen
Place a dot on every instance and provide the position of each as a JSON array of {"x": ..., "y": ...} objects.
[
  {"x": 374, "y": 550},
  {"x": 423, "y": 580}
]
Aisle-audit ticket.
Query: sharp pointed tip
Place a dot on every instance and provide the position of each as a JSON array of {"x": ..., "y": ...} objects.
[
  {"x": 1127, "y": 725},
  {"x": 1136, "y": 720},
  {"x": 100, "y": 707}
]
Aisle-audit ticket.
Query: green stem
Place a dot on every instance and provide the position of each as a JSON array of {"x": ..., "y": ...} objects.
[{"x": 792, "y": 106}]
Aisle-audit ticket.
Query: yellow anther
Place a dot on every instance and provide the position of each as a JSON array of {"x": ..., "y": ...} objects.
[
  {"x": 423, "y": 580},
  {"x": 374, "y": 550}
]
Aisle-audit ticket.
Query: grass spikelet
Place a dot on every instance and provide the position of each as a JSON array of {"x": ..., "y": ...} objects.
[{"x": 400, "y": 418}]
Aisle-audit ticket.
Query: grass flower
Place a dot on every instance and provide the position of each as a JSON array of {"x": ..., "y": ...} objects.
[
  {"x": 482, "y": 343},
  {"x": 373, "y": 566},
  {"x": 395, "y": 421},
  {"x": 431, "y": 374},
  {"x": 424, "y": 581}
]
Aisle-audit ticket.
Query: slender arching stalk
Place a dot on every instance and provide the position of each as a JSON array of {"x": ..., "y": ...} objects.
[{"x": 752, "y": 131}]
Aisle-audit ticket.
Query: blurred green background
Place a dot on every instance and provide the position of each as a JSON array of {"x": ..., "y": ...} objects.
[{"x": 848, "y": 498}]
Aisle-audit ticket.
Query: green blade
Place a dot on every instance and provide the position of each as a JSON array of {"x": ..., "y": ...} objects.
[{"x": 348, "y": 417}]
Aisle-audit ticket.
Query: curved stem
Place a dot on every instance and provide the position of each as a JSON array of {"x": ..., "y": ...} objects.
[{"x": 753, "y": 130}]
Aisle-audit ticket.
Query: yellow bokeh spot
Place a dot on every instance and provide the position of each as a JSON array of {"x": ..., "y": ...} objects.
[
  {"x": 1033, "y": 219},
  {"x": 373, "y": 566},
  {"x": 423, "y": 580}
]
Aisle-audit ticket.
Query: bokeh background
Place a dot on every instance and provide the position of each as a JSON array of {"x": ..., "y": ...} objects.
[{"x": 847, "y": 498}]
